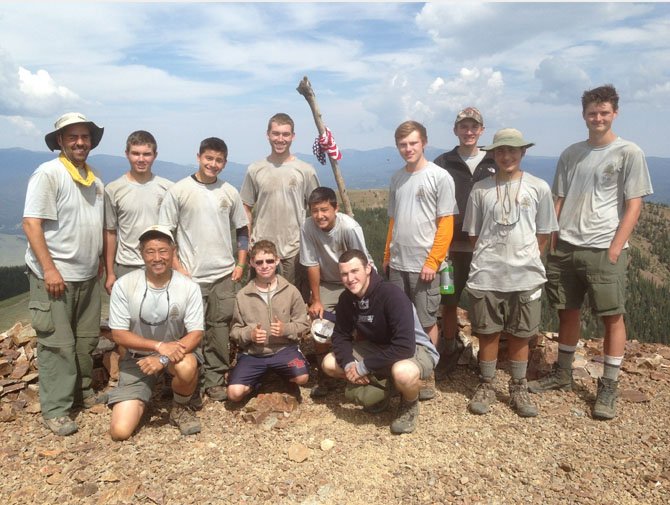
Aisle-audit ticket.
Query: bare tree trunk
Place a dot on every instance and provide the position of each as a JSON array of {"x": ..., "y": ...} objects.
[{"x": 305, "y": 89}]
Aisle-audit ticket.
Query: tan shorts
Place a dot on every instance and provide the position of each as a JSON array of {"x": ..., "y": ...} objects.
[
  {"x": 424, "y": 295},
  {"x": 422, "y": 358},
  {"x": 517, "y": 313}
]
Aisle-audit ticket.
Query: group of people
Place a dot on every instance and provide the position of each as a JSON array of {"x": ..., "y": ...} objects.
[{"x": 183, "y": 284}]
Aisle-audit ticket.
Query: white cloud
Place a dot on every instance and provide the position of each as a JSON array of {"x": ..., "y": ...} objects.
[
  {"x": 23, "y": 126},
  {"x": 561, "y": 81},
  {"x": 26, "y": 93}
]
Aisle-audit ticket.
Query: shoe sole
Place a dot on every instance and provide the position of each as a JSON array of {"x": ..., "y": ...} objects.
[{"x": 566, "y": 387}]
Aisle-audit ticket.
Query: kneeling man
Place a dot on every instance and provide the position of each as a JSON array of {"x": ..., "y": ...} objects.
[
  {"x": 269, "y": 318},
  {"x": 156, "y": 314},
  {"x": 389, "y": 338}
]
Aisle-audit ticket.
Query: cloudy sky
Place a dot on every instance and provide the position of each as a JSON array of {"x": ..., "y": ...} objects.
[{"x": 189, "y": 71}]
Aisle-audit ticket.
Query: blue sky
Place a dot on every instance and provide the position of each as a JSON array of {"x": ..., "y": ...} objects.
[{"x": 188, "y": 71}]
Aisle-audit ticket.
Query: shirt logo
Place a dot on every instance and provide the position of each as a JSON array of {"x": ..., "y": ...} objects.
[
  {"x": 366, "y": 318},
  {"x": 364, "y": 304}
]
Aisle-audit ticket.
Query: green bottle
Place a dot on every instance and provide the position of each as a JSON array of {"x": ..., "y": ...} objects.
[{"x": 446, "y": 278}]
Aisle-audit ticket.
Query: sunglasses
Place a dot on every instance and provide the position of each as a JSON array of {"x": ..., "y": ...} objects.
[{"x": 267, "y": 262}]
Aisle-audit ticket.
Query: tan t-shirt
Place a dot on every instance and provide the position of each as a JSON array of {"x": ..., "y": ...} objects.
[{"x": 278, "y": 194}]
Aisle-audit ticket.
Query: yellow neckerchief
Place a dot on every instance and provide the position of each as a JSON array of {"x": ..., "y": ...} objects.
[{"x": 74, "y": 171}]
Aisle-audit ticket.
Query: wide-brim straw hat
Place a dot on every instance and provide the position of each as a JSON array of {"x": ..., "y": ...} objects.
[
  {"x": 508, "y": 137},
  {"x": 68, "y": 119}
]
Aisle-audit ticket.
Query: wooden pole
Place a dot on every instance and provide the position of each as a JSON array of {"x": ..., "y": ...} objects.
[{"x": 305, "y": 89}]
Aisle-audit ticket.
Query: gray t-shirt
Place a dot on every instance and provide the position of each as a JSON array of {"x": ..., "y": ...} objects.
[
  {"x": 202, "y": 215},
  {"x": 184, "y": 312},
  {"x": 72, "y": 216},
  {"x": 507, "y": 257},
  {"x": 324, "y": 248},
  {"x": 416, "y": 200},
  {"x": 130, "y": 208},
  {"x": 595, "y": 182},
  {"x": 279, "y": 197}
]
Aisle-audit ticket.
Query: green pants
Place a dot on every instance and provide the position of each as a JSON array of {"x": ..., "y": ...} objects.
[
  {"x": 219, "y": 302},
  {"x": 68, "y": 329}
]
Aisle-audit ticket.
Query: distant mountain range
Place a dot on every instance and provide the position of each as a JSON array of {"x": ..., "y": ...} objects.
[{"x": 360, "y": 169}]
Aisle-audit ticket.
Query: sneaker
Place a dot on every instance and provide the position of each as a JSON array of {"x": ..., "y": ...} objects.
[
  {"x": 405, "y": 420},
  {"x": 183, "y": 418},
  {"x": 484, "y": 397},
  {"x": 61, "y": 426},
  {"x": 217, "y": 393},
  {"x": 605, "y": 406},
  {"x": 93, "y": 400},
  {"x": 319, "y": 391},
  {"x": 558, "y": 378},
  {"x": 519, "y": 399}
]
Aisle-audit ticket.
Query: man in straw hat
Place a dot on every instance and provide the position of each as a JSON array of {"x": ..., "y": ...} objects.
[
  {"x": 509, "y": 218},
  {"x": 599, "y": 186},
  {"x": 62, "y": 220}
]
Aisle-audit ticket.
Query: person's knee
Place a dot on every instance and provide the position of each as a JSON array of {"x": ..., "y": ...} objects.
[
  {"x": 187, "y": 369},
  {"x": 301, "y": 379},
  {"x": 120, "y": 431},
  {"x": 329, "y": 365},
  {"x": 126, "y": 417},
  {"x": 405, "y": 372},
  {"x": 237, "y": 392}
]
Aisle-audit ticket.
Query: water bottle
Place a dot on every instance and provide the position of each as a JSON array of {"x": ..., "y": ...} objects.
[{"x": 446, "y": 278}]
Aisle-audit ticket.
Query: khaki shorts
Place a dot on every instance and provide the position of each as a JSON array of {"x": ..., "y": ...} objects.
[
  {"x": 424, "y": 295},
  {"x": 121, "y": 270},
  {"x": 134, "y": 384},
  {"x": 461, "y": 263},
  {"x": 573, "y": 272},
  {"x": 329, "y": 292},
  {"x": 422, "y": 358},
  {"x": 517, "y": 313}
]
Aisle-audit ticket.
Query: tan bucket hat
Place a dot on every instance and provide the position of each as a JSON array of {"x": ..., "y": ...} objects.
[
  {"x": 73, "y": 118},
  {"x": 508, "y": 137}
]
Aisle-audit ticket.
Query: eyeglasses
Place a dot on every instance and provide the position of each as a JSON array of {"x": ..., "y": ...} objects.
[
  {"x": 167, "y": 310},
  {"x": 267, "y": 262},
  {"x": 504, "y": 213}
]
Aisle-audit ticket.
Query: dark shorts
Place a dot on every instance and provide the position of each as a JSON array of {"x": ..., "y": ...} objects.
[
  {"x": 573, "y": 272},
  {"x": 461, "y": 263},
  {"x": 249, "y": 370}
]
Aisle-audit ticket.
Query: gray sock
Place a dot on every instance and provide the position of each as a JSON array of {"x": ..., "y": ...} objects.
[
  {"x": 612, "y": 367},
  {"x": 518, "y": 369},
  {"x": 182, "y": 400},
  {"x": 566, "y": 355},
  {"x": 487, "y": 369}
]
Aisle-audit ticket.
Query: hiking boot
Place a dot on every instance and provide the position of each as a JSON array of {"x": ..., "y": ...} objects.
[
  {"x": 93, "y": 400},
  {"x": 484, "y": 397},
  {"x": 449, "y": 361},
  {"x": 61, "y": 426},
  {"x": 426, "y": 393},
  {"x": 405, "y": 420},
  {"x": 558, "y": 378},
  {"x": 183, "y": 418},
  {"x": 605, "y": 406},
  {"x": 519, "y": 399},
  {"x": 196, "y": 402},
  {"x": 217, "y": 393}
]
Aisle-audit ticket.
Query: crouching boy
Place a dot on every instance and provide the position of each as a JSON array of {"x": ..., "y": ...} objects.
[{"x": 269, "y": 317}]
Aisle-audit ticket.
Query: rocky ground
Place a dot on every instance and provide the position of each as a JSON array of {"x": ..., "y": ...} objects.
[{"x": 330, "y": 452}]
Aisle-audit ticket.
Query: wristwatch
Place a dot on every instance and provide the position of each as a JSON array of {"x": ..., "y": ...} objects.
[{"x": 165, "y": 361}]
